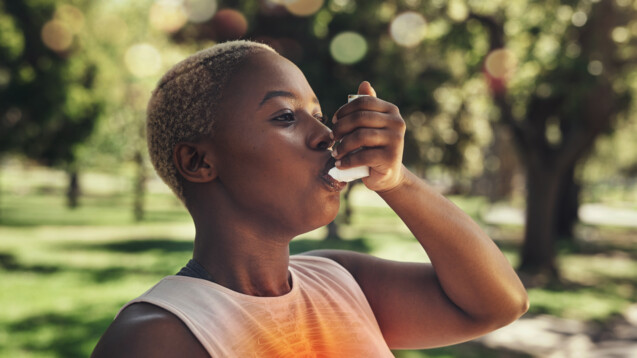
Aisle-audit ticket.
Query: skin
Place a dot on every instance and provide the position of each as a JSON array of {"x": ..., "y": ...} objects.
[{"x": 256, "y": 183}]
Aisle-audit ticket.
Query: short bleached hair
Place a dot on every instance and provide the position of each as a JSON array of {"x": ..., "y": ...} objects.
[{"x": 185, "y": 103}]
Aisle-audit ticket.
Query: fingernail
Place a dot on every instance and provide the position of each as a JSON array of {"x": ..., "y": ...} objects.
[
  {"x": 331, "y": 135},
  {"x": 334, "y": 153},
  {"x": 337, "y": 163}
]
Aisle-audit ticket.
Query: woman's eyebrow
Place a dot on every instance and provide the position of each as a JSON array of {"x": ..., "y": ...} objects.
[{"x": 273, "y": 94}]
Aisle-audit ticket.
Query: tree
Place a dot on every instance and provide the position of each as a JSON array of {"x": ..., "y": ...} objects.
[
  {"x": 46, "y": 107},
  {"x": 575, "y": 97},
  {"x": 128, "y": 43}
]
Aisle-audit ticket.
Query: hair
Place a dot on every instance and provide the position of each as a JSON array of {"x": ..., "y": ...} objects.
[{"x": 185, "y": 103}]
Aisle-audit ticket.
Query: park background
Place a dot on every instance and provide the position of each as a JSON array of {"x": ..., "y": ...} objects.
[{"x": 522, "y": 112}]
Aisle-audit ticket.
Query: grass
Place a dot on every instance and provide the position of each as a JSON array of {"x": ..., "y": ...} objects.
[{"x": 65, "y": 273}]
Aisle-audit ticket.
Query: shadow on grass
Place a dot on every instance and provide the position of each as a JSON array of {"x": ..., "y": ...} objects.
[
  {"x": 177, "y": 215},
  {"x": 36, "y": 211},
  {"x": 139, "y": 246},
  {"x": 9, "y": 263},
  {"x": 60, "y": 335}
]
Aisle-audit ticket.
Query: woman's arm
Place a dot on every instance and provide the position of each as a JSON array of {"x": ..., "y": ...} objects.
[{"x": 468, "y": 289}]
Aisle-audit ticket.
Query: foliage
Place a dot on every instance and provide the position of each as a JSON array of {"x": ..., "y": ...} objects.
[{"x": 47, "y": 107}]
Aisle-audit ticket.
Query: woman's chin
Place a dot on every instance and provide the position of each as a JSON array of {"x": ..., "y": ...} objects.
[
  {"x": 329, "y": 218},
  {"x": 319, "y": 221}
]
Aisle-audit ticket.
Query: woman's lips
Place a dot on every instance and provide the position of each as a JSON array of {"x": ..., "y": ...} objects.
[{"x": 332, "y": 184}]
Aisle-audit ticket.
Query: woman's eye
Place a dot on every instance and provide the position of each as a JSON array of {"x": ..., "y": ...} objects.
[
  {"x": 285, "y": 117},
  {"x": 321, "y": 118}
]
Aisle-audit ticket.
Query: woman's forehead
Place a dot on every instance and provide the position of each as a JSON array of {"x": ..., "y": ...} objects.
[
  {"x": 266, "y": 72},
  {"x": 263, "y": 77}
]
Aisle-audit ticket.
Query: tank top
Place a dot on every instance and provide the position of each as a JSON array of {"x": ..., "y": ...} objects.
[{"x": 325, "y": 314}]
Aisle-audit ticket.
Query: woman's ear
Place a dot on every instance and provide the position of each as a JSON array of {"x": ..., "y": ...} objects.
[{"x": 194, "y": 162}]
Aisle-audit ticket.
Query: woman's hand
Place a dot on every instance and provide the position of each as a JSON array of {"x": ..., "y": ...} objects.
[
  {"x": 377, "y": 127},
  {"x": 467, "y": 290}
]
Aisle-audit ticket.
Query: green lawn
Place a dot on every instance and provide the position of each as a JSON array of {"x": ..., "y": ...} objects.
[{"x": 65, "y": 273}]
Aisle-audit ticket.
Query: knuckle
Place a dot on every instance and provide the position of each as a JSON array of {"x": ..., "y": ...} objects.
[
  {"x": 358, "y": 135},
  {"x": 400, "y": 122},
  {"x": 357, "y": 116}
]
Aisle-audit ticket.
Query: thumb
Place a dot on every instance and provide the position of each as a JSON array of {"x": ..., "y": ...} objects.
[{"x": 366, "y": 88}]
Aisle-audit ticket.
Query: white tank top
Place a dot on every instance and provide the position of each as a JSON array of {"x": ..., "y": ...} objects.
[{"x": 325, "y": 314}]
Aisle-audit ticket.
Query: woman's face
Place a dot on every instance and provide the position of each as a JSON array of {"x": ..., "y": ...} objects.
[{"x": 271, "y": 147}]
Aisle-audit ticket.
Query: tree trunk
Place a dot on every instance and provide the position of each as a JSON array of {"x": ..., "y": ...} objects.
[
  {"x": 567, "y": 206},
  {"x": 1, "y": 197},
  {"x": 347, "y": 219},
  {"x": 538, "y": 252},
  {"x": 140, "y": 188},
  {"x": 332, "y": 231},
  {"x": 496, "y": 182},
  {"x": 73, "y": 191}
]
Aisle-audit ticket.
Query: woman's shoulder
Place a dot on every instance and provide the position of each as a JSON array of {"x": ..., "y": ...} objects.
[
  {"x": 347, "y": 260},
  {"x": 146, "y": 330}
]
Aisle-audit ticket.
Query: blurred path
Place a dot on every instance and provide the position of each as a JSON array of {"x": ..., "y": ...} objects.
[
  {"x": 592, "y": 214},
  {"x": 551, "y": 337}
]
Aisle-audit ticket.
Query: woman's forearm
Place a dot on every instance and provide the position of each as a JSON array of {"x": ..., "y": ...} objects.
[{"x": 472, "y": 271}]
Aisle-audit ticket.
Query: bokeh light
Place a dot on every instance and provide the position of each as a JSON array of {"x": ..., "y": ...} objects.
[
  {"x": 71, "y": 16},
  {"x": 408, "y": 29},
  {"x": 499, "y": 67},
  {"x": 348, "y": 47},
  {"x": 5, "y": 77},
  {"x": 501, "y": 63},
  {"x": 579, "y": 18},
  {"x": 142, "y": 60},
  {"x": 229, "y": 24},
  {"x": 167, "y": 15},
  {"x": 573, "y": 50},
  {"x": 110, "y": 28},
  {"x": 457, "y": 10},
  {"x": 620, "y": 34},
  {"x": 303, "y": 7},
  {"x": 564, "y": 12},
  {"x": 199, "y": 10},
  {"x": 57, "y": 35},
  {"x": 595, "y": 67}
]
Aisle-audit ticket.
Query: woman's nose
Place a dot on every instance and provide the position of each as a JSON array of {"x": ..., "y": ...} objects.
[{"x": 321, "y": 137}]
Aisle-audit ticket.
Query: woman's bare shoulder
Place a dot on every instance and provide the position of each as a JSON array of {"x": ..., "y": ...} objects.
[{"x": 146, "y": 330}]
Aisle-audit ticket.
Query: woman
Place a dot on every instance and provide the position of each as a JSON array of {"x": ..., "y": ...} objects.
[{"x": 238, "y": 134}]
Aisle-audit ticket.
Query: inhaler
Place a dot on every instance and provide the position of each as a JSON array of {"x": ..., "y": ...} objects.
[{"x": 350, "y": 174}]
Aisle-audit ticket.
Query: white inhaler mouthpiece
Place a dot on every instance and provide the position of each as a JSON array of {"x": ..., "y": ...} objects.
[{"x": 350, "y": 174}]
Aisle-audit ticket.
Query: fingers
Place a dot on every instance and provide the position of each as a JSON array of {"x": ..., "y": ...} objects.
[
  {"x": 367, "y": 103},
  {"x": 365, "y": 138},
  {"x": 370, "y": 157},
  {"x": 366, "y": 112},
  {"x": 366, "y": 88},
  {"x": 360, "y": 119}
]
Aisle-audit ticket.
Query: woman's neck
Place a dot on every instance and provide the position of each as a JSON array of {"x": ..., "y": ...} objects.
[{"x": 238, "y": 258}]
